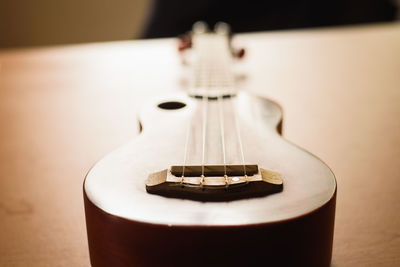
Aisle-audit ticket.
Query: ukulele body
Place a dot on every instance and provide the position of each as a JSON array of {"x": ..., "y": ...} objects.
[{"x": 127, "y": 226}]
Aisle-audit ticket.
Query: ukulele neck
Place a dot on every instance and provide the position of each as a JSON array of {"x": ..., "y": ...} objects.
[{"x": 211, "y": 70}]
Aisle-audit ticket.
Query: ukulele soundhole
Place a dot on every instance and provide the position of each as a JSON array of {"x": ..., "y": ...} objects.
[
  {"x": 171, "y": 105},
  {"x": 214, "y": 182}
]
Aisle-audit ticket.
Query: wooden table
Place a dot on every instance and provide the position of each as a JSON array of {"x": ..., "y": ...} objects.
[{"x": 62, "y": 108}]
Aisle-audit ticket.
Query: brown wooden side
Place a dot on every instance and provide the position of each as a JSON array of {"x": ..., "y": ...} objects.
[{"x": 304, "y": 241}]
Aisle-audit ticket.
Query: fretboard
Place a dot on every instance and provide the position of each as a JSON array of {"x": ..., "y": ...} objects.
[{"x": 212, "y": 61}]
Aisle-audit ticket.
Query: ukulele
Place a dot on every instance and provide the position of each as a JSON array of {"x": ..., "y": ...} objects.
[{"x": 210, "y": 181}]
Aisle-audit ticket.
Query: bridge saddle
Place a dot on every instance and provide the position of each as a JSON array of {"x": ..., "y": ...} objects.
[{"x": 214, "y": 182}]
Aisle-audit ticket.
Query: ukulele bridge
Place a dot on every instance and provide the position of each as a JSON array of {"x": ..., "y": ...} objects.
[{"x": 214, "y": 182}]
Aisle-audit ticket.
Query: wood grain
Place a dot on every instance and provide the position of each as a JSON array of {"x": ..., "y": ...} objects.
[{"x": 63, "y": 108}]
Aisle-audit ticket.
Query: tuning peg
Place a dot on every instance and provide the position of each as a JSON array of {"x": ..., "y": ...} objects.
[
  {"x": 185, "y": 42},
  {"x": 200, "y": 27},
  {"x": 222, "y": 28},
  {"x": 239, "y": 53}
]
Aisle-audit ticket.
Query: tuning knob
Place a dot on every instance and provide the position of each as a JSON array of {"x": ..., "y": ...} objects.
[
  {"x": 185, "y": 42},
  {"x": 222, "y": 28},
  {"x": 239, "y": 53},
  {"x": 200, "y": 27}
]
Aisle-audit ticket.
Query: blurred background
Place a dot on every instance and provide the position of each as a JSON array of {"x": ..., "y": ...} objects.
[
  {"x": 47, "y": 22},
  {"x": 51, "y": 22}
]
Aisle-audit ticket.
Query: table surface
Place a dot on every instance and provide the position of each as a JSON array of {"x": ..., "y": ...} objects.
[{"x": 62, "y": 108}]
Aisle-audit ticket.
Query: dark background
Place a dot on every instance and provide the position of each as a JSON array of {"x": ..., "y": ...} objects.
[
  {"x": 48, "y": 22},
  {"x": 172, "y": 17}
]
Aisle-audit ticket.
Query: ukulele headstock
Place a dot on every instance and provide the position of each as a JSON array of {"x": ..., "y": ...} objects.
[
  {"x": 209, "y": 56},
  {"x": 185, "y": 41}
]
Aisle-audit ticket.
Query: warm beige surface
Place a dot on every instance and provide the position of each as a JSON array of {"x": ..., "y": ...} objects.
[{"x": 63, "y": 108}]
